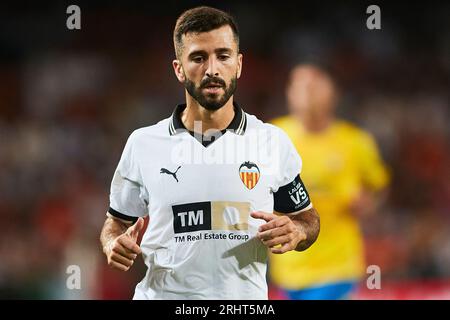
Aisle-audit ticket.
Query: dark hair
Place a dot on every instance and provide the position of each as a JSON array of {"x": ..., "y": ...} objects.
[{"x": 202, "y": 19}]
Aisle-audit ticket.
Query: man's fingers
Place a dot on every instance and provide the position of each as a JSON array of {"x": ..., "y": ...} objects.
[
  {"x": 278, "y": 240},
  {"x": 284, "y": 248},
  {"x": 263, "y": 215},
  {"x": 280, "y": 231},
  {"x": 121, "y": 259},
  {"x": 129, "y": 244},
  {"x": 275, "y": 223},
  {"x": 119, "y": 249},
  {"x": 134, "y": 230},
  {"x": 272, "y": 233},
  {"x": 115, "y": 265}
]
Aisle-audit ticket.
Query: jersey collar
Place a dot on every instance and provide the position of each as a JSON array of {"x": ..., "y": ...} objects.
[{"x": 237, "y": 125}]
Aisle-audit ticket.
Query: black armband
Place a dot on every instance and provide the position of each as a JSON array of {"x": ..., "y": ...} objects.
[
  {"x": 121, "y": 216},
  {"x": 292, "y": 197}
]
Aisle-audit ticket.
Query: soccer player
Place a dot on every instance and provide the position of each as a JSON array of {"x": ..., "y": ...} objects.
[
  {"x": 221, "y": 188},
  {"x": 345, "y": 177}
]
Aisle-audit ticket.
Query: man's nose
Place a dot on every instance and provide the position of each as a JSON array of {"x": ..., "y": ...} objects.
[{"x": 212, "y": 68}]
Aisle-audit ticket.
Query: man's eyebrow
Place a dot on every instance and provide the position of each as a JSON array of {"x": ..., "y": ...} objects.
[
  {"x": 223, "y": 50},
  {"x": 197, "y": 53},
  {"x": 204, "y": 53}
]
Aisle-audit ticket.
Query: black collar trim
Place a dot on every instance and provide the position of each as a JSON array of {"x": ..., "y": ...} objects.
[{"x": 237, "y": 125}]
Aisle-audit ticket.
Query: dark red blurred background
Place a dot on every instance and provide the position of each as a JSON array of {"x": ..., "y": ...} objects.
[{"x": 70, "y": 98}]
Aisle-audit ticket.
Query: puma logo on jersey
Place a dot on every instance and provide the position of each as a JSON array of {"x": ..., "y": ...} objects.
[{"x": 173, "y": 174}]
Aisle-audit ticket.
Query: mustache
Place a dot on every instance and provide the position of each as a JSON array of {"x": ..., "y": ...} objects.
[{"x": 215, "y": 80}]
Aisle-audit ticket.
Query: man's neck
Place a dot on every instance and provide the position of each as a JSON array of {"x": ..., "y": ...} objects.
[{"x": 210, "y": 120}]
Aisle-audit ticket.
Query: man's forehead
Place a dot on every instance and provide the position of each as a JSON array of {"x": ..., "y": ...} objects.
[{"x": 222, "y": 37}]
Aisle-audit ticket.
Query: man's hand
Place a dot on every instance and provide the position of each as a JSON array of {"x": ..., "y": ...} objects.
[
  {"x": 279, "y": 230},
  {"x": 123, "y": 250}
]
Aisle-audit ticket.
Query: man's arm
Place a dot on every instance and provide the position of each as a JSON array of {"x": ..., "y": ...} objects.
[
  {"x": 294, "y": 232},
  {"x": 118, "y": 241},
  {"x": 308, "y": 222}
]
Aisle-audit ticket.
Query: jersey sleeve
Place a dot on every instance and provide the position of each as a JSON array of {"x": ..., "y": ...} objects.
[
  {"x": 128, "y": 196},
  {"x": 290, "y": 194}
]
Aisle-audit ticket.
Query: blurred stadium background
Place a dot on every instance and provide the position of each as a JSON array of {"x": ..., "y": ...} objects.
[{"x": 69, "y": 100}]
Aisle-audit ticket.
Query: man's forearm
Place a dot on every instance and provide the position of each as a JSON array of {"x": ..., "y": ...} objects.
[
  {"x": 111, "y": 230},
  {"x": 309, "y": 222}
]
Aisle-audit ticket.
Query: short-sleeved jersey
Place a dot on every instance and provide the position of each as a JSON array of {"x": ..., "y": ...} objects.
[
  {"x": 200, "y": 242},
  {"x": 339, "y": 163}
]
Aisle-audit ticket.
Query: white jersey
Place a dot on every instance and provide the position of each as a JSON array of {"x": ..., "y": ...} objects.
[{"x": 200, "y": 242}]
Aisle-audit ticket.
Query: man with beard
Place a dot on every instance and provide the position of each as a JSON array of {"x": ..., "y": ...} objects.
[{"x": 213, "y": 216}]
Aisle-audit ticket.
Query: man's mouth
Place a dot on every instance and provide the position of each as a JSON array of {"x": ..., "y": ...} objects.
[{"x": 212, "y": 87}]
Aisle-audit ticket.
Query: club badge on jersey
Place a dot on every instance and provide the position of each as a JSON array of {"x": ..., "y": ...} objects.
[{"x": 249, "y": 174}]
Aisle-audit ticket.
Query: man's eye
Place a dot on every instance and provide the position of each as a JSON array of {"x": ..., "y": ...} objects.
[
  {"x": 224, "y": 57},
  {"x": 197, "y": 59}
]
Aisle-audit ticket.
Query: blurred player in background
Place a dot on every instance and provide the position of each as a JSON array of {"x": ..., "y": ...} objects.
[{"x": 345, "y": 176}]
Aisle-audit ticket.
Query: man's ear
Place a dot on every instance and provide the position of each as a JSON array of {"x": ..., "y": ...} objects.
[
  {"x": 178, "y": 68},
  {"x": 239, "y": 65}
]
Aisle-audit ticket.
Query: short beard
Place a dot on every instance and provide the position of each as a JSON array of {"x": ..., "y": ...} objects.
[{"x": 208, "y": 101}]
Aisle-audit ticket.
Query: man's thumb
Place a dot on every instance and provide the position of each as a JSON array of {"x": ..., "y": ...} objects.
[{"x": 134, "y": 230}]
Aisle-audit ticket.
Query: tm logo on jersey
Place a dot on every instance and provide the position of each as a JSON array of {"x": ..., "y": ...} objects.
[{"x": 211, "y": 215}]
